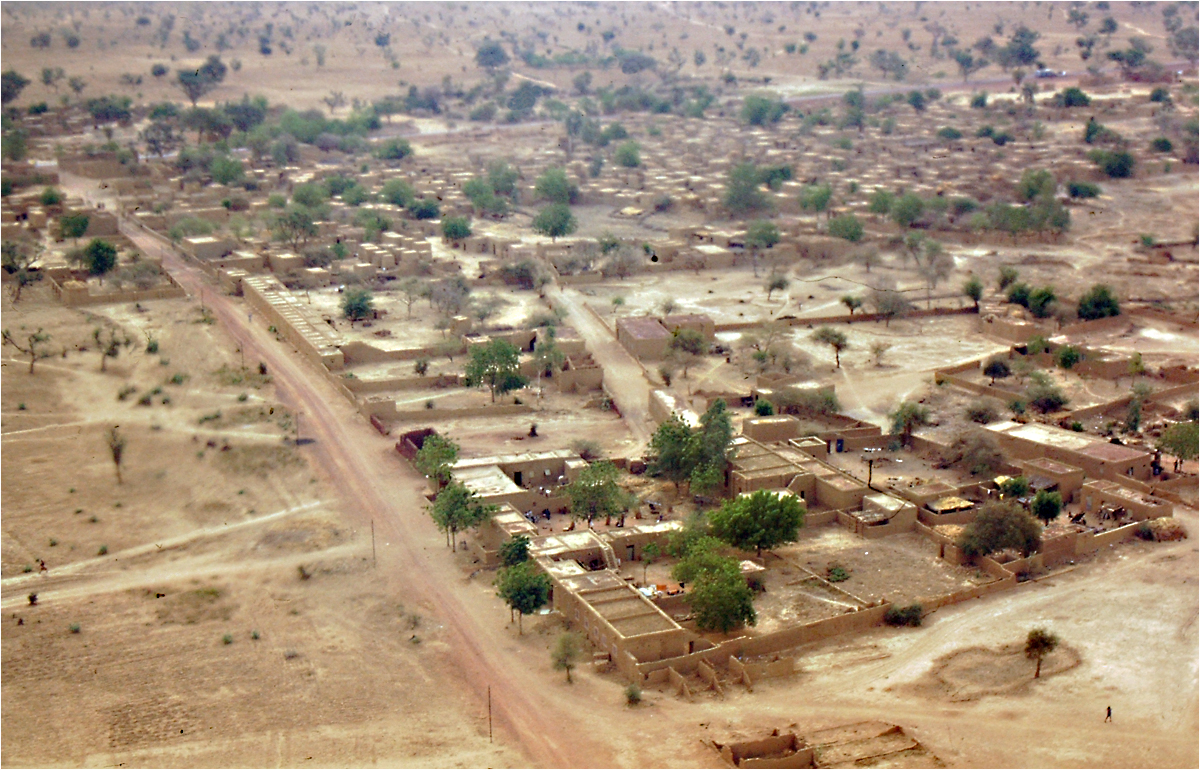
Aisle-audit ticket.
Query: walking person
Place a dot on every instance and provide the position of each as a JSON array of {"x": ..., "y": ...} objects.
[{"x": 1108, "y": 714}]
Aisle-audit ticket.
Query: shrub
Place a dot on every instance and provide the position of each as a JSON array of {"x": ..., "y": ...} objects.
[
  {"x": 1083, "y": 189},
  {"x": 836, "y": 573},
  {"x": 1162, "y": 144},
  {"x": 949, "y": 133},
  {"x": 75, "y": 628},
  {"x": 1067, "y": 356},
  {"x": 979, "y": 101},
  {"x": 1072, "y": 97},
  {"x": 1117, "y": 165},
  {"x": 981, "y": 412},
  {"x": 846, "y": 227},
  {"x": 1160, "y": 95},
  {"x": 103, "y": 550},
  {"x": 633, "y": 694},
  {"x": 227, "y": 639},
  {"x": 903, "y": 616},
  {"x": 763, "y": 408}
]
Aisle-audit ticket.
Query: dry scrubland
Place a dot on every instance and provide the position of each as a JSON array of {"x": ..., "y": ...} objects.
[{"x": 239, "y": 597}]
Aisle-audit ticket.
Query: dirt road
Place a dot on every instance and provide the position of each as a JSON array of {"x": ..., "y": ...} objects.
[
  {"x": 623, "y": 375},
  {"x": 377, "y": 487}
]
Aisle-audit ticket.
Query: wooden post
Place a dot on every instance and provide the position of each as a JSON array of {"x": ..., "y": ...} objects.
[{"x": 489, "y": 713}]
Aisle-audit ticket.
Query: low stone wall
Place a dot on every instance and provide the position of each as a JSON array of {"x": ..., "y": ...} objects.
[
  {"x": 967, "y": 594},
  {"x": 847, "y": 318},
  {"x": 384, "y": 385},
  {"x": 435, "y": 415},
  {"x": 77, "y": 294}
]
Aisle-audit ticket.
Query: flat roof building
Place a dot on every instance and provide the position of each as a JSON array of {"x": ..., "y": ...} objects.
[{"x": 1096, "y": 457}]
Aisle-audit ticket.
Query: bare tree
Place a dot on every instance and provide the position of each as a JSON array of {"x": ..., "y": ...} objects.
[
  {"x": 34, "y": 345},
  {"x": 116, "y": 446}
]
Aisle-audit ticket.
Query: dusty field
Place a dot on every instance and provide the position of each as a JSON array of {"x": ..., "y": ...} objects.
[{"x": 124, "y": 658}]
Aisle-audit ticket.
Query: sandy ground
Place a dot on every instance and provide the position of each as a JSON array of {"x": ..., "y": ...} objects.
[{"x": 387, "y": 653}]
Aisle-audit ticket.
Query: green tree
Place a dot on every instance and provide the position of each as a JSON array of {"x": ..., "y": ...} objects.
[
  {"x": 1046, "y": 505},
  {"x": 852, "y": 303},
  {"x": 1098, "y": 302},
  {"x": 815, "y": 198},
  {"x": 776, "y": 282},
  {"x": 763, "y": 519},
  {"x": 398, "y": 193},
  {"x": 555, "y": 220},
  {"x": 998, "y": 525},
  {"x": 1067, "y": 356},
  {"x": 1036, "y": 183},
  {"x": 907, "y": 209},
  {"x": 1181, "y": 440},
  {"x": 1043, "y": 395},
  {"x": 997, "y": 369},
  {"x": 394, "y": 149},
  {"x": 491, "y": 55},
  {"x": 524, "y": 588},
  {"x": 720, "y": 598},
  {"x": 596, "y": 492},
  {"x": 834, "y": 339},
  {"x": 198, "y": 82},
  {"x": 687, "y": 346},
  {"x": 710, "y": 449},
  {"x": 566, "y": 652},
  {"x": 554, "y": 186},
  {"x": 294, "y": 226},
  {"x": 1014, "y": 487},
  {"x": 357, "y": 304},
  {"x": 73, "y": 225},
  {"x": 1008, "y": 275},
  {"x": 628, "y": 155},
  {"x": 226, "y": 170},
  {"x": 12, "y": 83},
  {"x": 436, "y": 457},
  {"x": 514, "y": 551},
  {"x": 457, "y": 508},
  {"x": 456, "y": 228},
  {"x": 743, "y": 190},
  {"x": 908, "y": 417},
  {"x": 99, "y": 257},
  {"x": 763, "y": 408},
  {"x": 881, "y": 202},
  {"x": 973, "y": 288},
  {"x": 761, "y": 110},
  {"x": 496, "y": 365},
  {"x": 671, "y": 454},
  {"x": 1038, "y": 645},
  {"x": 847, "y": 227}
]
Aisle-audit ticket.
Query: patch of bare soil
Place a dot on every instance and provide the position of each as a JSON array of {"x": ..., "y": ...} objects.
[{"x": 976, "y": 672}]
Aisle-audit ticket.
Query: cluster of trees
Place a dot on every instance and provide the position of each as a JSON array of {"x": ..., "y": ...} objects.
[
  {"x": 698, "y": 456},
  {"x": 493, "y": 193}
]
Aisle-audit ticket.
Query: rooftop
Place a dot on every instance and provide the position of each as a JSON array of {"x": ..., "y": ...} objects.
[
  {"x": 486, "y": 480},
  {"x": 1048, "y": 435},
  {"x": 644, "y": 328}
]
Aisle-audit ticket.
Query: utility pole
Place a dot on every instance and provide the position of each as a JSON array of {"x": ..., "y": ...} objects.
[{"x": 489, "y": 713}]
